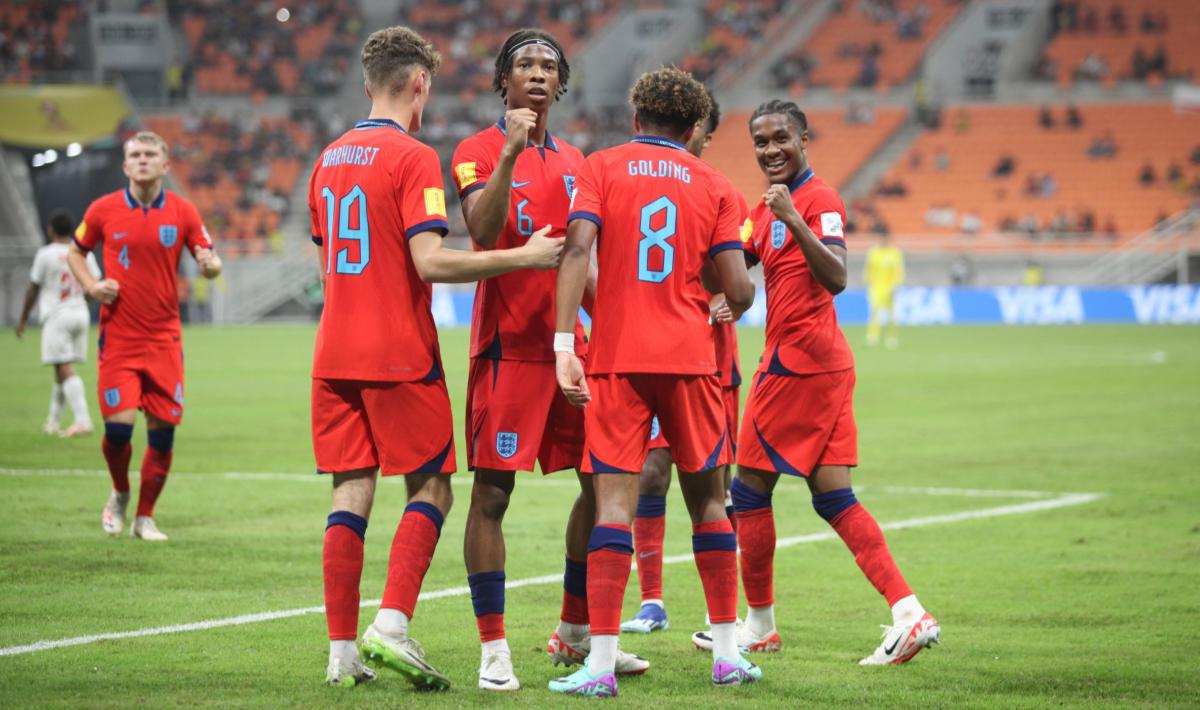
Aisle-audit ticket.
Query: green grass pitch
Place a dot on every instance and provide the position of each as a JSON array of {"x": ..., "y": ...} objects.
[{"x": 1084, "y": 605}]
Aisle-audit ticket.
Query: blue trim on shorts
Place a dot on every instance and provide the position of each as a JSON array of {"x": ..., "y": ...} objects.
[
  {"x": 711, "y": 462},
  {"x": 777, "y": 460},
  {"x": 599, "y": 466},
  {"x": 435, "y": 464}
]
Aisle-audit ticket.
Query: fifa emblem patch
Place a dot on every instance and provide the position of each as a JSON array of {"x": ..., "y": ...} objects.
[
  {"x": 112, "y": 397},
  {"x": 778, "y": 234},
  {"x": 569, "y": 181},
  {"x": 506, "y": 444},
  {"x": 179, "y": 393},
  {"x": 655, "y": 428},
  {"x": 167, "y": 234}
]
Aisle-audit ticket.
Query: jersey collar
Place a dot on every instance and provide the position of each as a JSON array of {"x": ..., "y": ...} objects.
[
  {"x": 378, "y": 123},
  {"x": 529, "y": 144},
  {"x": 157, "y": 203},
  {"x": 659, "y": 141},
  {"x": 801, "y": 179}
]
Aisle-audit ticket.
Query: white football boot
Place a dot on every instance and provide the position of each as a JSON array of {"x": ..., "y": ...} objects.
[
  {"x": 347, "y": 673},
  {"x": 113, "y": 518},
  {"x": 569, "y": 653},
  {"x": 902, "y": 642},
  {"x": 496, "y": 672},
  {"x": 747, "y": 640},
  {"x": 145, "y": 529}
]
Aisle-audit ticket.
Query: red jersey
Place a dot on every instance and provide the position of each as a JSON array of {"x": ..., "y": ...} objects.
[
  {"x": 142, "y": 246},
  {"x": 371, "y": 191},
  {"x": 662, "y": 212},
  {"x": 803, "y": 336},
  {"x": 725, "y": 334},
  {"x": 513, "y": 316}
]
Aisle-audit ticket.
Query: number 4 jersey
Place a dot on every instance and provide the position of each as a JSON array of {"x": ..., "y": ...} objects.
[
  {"x": 371, "y": 191},
  {"x": 662, "y": 212}
]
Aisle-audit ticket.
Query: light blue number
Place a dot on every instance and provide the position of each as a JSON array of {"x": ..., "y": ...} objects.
[
  {"x": 524, "y": 221},
  {"x": 657, "y": 238},
  {"x": 123, "y": 257},
  {"x": 360, "y": 234}
]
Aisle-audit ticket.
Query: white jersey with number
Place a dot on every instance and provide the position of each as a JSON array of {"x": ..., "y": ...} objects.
[{"x": 60, "y": 291}]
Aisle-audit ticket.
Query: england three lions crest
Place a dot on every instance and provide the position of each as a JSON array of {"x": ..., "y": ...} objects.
[
  {"x": 569, "y": 182},
  {"x": 506, "y": 444},
  {"x": 167, "y": 234},
  {"x": 778, "y": 234}
]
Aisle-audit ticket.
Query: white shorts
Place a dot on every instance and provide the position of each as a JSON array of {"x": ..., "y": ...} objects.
[{"x": 64, "y": 338}]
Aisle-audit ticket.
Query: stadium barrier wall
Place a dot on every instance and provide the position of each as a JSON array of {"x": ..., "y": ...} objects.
[{"x": 1009, "y": 305}]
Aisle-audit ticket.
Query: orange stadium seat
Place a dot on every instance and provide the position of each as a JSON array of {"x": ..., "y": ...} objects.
[
  {"x": 837, "y": 150},
  {"x": 1108, "y": 188}
]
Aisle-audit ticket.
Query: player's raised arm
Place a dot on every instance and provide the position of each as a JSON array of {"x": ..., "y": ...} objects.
[
  {"x": 486, "y": 210},
  {"x": 826, "y": 261},
  {"x": 437, "y": 264}
]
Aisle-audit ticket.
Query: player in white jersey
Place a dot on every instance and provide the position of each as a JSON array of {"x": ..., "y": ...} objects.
[{"x": 65, "y": 320}]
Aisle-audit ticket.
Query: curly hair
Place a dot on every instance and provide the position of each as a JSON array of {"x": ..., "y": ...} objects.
[
  {"x": 670, "y": 98},
  {"x": 787, "y": 108},
  {"x": 389, "y": 53},
  {"x": 62, "y": 222},
  {"x": 504, "y": 59}
]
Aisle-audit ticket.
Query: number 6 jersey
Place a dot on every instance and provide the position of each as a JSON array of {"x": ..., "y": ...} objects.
[
  {"x": 371, "y": 191},
  {"x": 662, "y": 212}
]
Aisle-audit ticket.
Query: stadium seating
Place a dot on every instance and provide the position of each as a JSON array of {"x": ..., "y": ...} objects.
[
  {"x": 973, "y": 140},
  {"x": 239, "y": 177},
  {"x": 729, "y": 26},
  {"x": 238, "y": 48},
  {"x": 839, "y": 146},
  {"x": 873, "y": 43},
  {"x": 35, "y": 39},
  {"x": 1089, "y": 28}
]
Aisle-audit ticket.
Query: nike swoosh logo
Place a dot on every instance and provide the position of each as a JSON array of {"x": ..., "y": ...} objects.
[
  {"x": 888, "y": 651},
  {"x": 493, "y": 681},
  {"x": 516, "y": 184},
  {"x": 644, "y": 555},
  {"x": 120, "y": 235}
]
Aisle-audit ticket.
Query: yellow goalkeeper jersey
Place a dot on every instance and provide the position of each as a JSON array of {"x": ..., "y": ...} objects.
[{"x": 885, "y": 268}]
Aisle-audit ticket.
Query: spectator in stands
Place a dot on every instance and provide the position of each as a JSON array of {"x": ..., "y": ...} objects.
[
  {"x": 1116, "y": 19},
  {"x": 1158, "y": 61},
  {"x": 860, "y": 112},
  {"x": 940, "y": 216},
  {"x": 1061, "y": 224},
  {"x": 1086, "y": 224},
  {"x": 1064, "y": 16},
  {"x": 1074, "y": 118},
  {"x": 962, "y": 271},
  {"x": 941, "y": 160},
  {"x": 1174, "y": 173},
  {"x": 1049, "y": 186},
  {"x": 1104, "y": 146},
  {"x": 868, "y": 76},
  {"x": 1009, "y": 223},
  {"x": 970, "y": 223},
  {"x": 1089, "y": 21},
  {"x": 1045, "y": 117},
  {"x": 1092, "y": 68},
  {"x": 1004, "y": 166},
  {"x": 1146, "y": 176},
  {"x": 1030, "y": 224}
]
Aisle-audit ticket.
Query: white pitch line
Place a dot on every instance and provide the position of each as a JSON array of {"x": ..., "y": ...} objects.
[
  {"x": 1063, "y": 501},
  {"x": 465, "y": 479}
]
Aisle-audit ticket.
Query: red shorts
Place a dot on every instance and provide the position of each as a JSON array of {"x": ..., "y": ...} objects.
[
  {"x": 149, "y": 378},
  {"x": 398, "y": 427},
  {"x": 793, "y": 424},
  {"x": 517, "y": 415},
  {"x": 619, "y": 417},
  {"x": 732, "y": 401}
]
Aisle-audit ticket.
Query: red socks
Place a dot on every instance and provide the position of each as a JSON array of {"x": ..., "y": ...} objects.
[
  {"x": 412, "y": 550},
  {"x": 756, "y": 538},
  {"x": 343, "y": 562},
  {"x": 610, "y": 552},
  {"x": 862, "y": 535},
  {"x": 715, "y": 549},
  {"x": 575, "y": 602},
  {"x": 117, "y": 456},
  {"x": 649, "y": 527},
  {"x": 155, "y": 465}
]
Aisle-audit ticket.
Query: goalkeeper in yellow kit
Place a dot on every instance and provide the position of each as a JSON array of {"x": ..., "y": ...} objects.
[{"x": 884, "y": 273}]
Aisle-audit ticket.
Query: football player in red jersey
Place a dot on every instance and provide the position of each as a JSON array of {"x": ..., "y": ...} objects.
[
  {"x": 511, "y": 176},
  {"x": 144, "y": 230},
  {"x": 379, "y": 399},
  {"x": 649, "y": 526},
  {"x": 667, "y": 224},
  {"x": 797, "y": 235}
]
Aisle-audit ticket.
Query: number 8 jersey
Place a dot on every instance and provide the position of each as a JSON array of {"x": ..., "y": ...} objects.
[
  {"x": 661, "y": 212},
  {"x": 371, "y": 191}
]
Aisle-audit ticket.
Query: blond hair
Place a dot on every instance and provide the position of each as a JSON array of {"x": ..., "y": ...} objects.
[{"x": 147, "y": 137}]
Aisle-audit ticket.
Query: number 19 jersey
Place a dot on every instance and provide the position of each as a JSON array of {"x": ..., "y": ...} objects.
[
  {"x": 661, "y": 213},
  {"x": 371, "y": 191}
]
